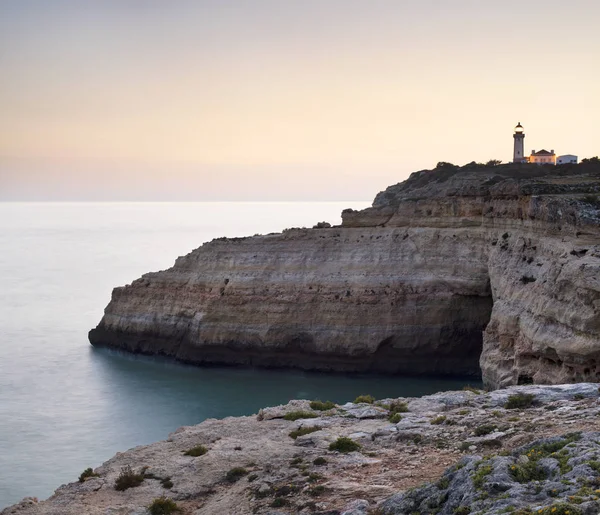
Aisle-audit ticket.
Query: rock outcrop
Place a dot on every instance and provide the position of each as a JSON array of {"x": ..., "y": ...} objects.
[
  {"x": 290, "y": 459},
  {"x": 454, "y": 271}
]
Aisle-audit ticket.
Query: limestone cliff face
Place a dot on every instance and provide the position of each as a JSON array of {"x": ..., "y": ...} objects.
[{"x": 447, "y": 264}]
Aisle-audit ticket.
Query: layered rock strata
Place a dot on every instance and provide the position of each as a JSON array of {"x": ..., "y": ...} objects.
[
  {"x": 452, "y": 270},
  {"x": 282, "y": 460}
]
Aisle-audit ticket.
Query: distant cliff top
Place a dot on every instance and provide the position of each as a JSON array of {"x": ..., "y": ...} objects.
[{"x": 493, "y": 179}]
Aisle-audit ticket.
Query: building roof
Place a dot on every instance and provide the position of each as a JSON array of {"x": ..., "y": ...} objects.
[{"x": 542, "y": 153}]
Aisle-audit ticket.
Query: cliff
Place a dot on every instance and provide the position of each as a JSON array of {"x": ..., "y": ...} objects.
[
  {"x": 454, "y": 271},
  {"x": 526, "y": 447}
]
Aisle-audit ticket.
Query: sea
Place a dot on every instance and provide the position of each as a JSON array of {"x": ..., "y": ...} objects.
[{"x": 66, "y": 406}]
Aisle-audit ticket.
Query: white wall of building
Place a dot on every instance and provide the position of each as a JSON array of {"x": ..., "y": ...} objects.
[{"x": 567, "y": 158}]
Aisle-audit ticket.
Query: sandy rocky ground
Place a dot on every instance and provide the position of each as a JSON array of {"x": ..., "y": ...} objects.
[{"x": 277, "y": 474}]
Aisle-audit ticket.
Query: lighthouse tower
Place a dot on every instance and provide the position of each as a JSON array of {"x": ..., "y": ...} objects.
[{"x": 519, "y": 136}]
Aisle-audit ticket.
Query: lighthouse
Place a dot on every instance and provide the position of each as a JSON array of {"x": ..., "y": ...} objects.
[{"x": 519, "y": 136}]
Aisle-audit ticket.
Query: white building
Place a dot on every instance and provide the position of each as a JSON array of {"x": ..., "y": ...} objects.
[
  {"x": 543, "y": 157},
  {"x": 567, "y": 158}
]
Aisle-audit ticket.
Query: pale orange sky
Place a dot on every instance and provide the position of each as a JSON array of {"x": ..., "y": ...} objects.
[{"x": 271, "y": 100}]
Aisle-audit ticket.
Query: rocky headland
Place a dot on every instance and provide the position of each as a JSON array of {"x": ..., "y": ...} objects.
[
  {"x": 491, "y": 270},
  {"x": 522, "y": 450}
]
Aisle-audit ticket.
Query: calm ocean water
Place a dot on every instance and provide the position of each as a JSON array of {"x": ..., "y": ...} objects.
[{"x": 64, "y": 405}]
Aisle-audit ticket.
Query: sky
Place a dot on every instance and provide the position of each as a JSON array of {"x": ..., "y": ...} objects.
[{"x": 283, "y": 100}]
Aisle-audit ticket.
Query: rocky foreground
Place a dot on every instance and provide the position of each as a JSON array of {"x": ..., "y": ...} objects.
[
  {"x": 455, "y": 263},
  {"x": 523, "y": 450}
]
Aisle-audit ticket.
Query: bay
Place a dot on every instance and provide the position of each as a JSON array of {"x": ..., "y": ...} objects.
[{"x": 64, "y": 405}]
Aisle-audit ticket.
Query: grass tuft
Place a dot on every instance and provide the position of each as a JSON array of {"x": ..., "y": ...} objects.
[
  {"x": 304, "y": 431},
  {"x": 199, "y": 450},
  {"x": 128, "y": 479},
  {"x": 322, "y": 406},
  {"x": 519, "y": 401},
  {"x": 344, "y": 444},
  {"x": 364, "y": 399},
  {"x": 163, "y": 506},
  {"x": 235, "y": 474},
  {"x": 394, "y": 418},
  {"x": 87, "y": 473}
]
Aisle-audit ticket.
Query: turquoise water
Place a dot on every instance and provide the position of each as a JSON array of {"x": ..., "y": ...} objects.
[{"x": 64, "y": 405}]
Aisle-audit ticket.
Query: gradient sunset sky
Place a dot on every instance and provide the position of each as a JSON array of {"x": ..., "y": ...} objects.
[{"x": 283, "y": 100}]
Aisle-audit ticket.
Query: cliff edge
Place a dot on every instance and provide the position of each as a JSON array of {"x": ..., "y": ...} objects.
[
  {"x": 457, "y": 270},
  {"x": 525, "y": 450}
]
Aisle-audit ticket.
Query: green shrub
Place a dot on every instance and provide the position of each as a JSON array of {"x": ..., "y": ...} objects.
[
  {"x": 344, "y": 444},
  {"x": 367, "y": 399},
  {"x": 304, "y": 431},
  {"x": 313, "y": 477},
  {"x": 526, "y": 472},
  {"x": 394, "y": 418},
  {"x": 297, "y": 415},
  {"x": 438, "y": 420},
  {"x": 479, "y": 477},
  {"x": 199, "y": 450},
  {"x": 319, "y": 461},
  {"x": 128, "y": 479},
  {"x": 398, "y": 407},
  {"x": 470, "y": 388},
  {"x": 443, "y": 483},
  {"x": 235, "y": 474},
  {"x": 593, "y": 200},
  {"x": 462, "y": 510},
  {"x": 322, "y": 406},
  {"x": 279, "y": 502},
  {"x": 166, "y": 483},
  {"x": 88, "y": 472},
  {"x": 484, "y": 429},
  {"x": 560, "y": 508},
  {"x": 519, "y": 401},
  {"x": 316, "y": 491},
  {"x": 163, "y": 506}
]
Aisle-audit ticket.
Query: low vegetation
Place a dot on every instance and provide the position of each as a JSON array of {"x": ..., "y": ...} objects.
[
  {"x": 87, "y": 473},
  {"x": 484, "y": 429},
  {"x": 235, "y": 474},
  {"x": 344, "y": 444},
  {"x": 128, "y": 479},
  {"x": 304, "y": 431},
  {"x": 438, "y": 420},
  {"x": 279, "y": 502},
  {"x": 560, "y": 508},
  {"x": 320, "y": 461},
  {"x": 520, "y": 401},
  {"x": 526, "y": 472},
  {"x": 364, "y": 399},
  {"x": 317, "y": 491},
  {"x": 198, "y": 450},
  {"x": 479, "y": 477},
  {"x": 398, "y": 407},
  {"x": 322, "y": 406},
  {"x": 163, "y": 506},
  {"x": 394, "y": 418}
]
